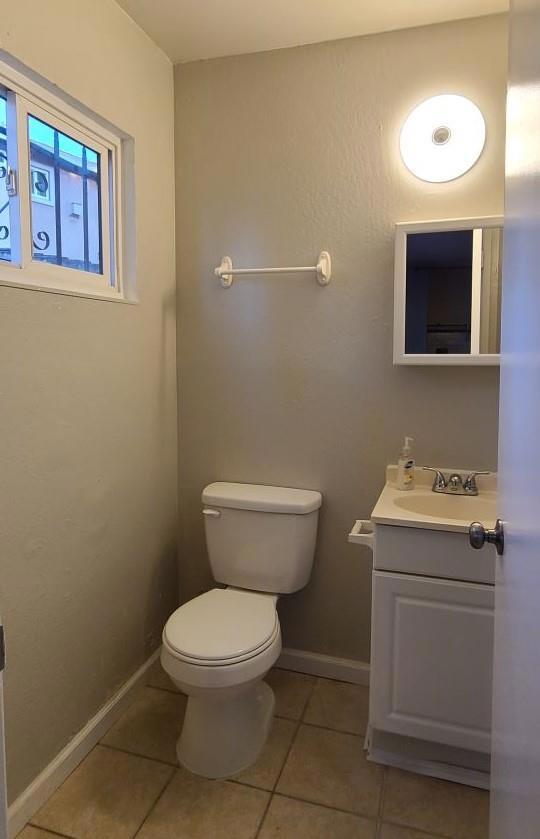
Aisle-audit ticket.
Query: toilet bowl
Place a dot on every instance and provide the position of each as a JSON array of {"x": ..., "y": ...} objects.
[{"x": 218, "y": 647}]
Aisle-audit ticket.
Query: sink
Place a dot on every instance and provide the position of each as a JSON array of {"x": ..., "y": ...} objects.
[
  {"x": 422, "y": 508},
  {"x": 456, "y": 507}
]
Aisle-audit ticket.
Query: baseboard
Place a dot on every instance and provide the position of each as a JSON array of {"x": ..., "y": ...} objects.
[
  {"x": 456, "y": 774},
  {"x": 327, "y": 666},
  {"x": 48, "y": 781}
]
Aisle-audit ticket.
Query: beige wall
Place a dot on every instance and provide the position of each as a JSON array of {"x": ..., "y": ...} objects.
[
  {"x": 88, "y": 415},
  {"x": 279, "y": 155}
]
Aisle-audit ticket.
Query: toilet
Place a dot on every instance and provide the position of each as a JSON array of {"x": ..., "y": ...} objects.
[{"x": 218, "y": 647}]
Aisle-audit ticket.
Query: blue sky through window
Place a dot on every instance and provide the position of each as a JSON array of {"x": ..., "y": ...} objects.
[{"x": 43, "y": 135}]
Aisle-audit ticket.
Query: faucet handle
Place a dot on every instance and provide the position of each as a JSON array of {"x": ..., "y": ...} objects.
[
  {"x": 469, "y": 484},
  {"x": 439, "y": 482}
]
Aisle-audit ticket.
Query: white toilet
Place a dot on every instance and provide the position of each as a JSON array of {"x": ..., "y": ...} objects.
[{"x": 218, "y": 647}]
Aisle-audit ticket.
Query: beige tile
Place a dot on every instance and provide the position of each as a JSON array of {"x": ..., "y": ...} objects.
[
  {"x": 195, "y": 808},
  {"x": 30, "y": 832},
  {"x": 339, "y": 705},
  {"x": 393, "y": 831},
  {"x": 329, "y": 767},
  {"x": 291, "y": 690},
  {"x": 157, "y": 678},
  {"x": 290, "y": 819},
  {"x": 151, "y": 725},
  {"x": 436, "y": 806},
  {"x": 108, "y": 795},
  {"x": 264, "y": 773}
]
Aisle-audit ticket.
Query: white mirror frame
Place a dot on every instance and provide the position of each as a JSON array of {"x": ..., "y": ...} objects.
[{"x": 400, "y": 291}]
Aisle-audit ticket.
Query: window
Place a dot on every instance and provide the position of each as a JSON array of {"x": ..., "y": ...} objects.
[
  {"x": 5, "y": 243},
  {"x": 60, "y": 214}
]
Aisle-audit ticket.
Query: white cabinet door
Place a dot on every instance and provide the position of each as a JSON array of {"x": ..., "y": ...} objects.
[{"x": 432, "y": 651}]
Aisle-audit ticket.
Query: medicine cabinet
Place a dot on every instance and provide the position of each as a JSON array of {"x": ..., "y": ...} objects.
[{"x": 447, "y": 291}]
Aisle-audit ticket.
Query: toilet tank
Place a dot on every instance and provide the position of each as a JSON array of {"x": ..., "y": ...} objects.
[{"x": 261, "y": 537}]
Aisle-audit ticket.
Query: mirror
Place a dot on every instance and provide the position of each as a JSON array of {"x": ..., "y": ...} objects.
[{"x": 448, "y": 292}]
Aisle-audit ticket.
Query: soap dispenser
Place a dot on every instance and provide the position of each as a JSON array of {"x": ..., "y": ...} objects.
[{"x": 405, "y": 473}]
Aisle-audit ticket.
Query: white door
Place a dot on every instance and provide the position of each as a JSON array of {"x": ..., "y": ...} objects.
[
  {"x": 515, "y": 812},
  {"x": 3, "y": 801}
]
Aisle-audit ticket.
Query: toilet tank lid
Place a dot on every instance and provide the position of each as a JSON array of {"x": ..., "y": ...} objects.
[{"x": 266, "y": 499}]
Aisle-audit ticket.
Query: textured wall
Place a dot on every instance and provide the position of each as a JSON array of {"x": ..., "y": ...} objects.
[
  {"x": 277, "y": 156},
  {"x": 88, "y": 415}
]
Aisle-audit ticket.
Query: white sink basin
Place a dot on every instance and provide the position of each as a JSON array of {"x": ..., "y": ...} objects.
[{"x": 441, "y": 506}]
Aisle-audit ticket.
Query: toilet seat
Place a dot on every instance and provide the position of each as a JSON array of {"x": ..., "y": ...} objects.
[{"x": 222, "y": 627}]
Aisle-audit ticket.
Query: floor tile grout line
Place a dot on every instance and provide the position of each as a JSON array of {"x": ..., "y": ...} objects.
[
  {"x": 31, "y": 821},
  {"x": 295, "y": 733},
  {"x": 285, "y": 759},
  {"x": 46, "y": 830},
  {"x": 323, "y": 678},
  {"x": 334, "y": 809},
  {"x": 298, "y": 723},
  {"x": 419, "y": 830},
  {"x": 308, "y": 699},
  {"x": 138, "y": 754},
  {"x": 361, "y": 734},
  {"x": 154, "y": 805},
  {"x": 378, "y": 831},
  {"x": 263, "y": 817},
  {"x": 382, "y": 793},
  {"x": 165, "y": 690}
]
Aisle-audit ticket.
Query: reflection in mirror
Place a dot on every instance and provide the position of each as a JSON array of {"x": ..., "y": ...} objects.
[
  {"x": 439, "y": 286},
  {"x": 452, "y": 303},
  {"x": 490, "y": 306}
]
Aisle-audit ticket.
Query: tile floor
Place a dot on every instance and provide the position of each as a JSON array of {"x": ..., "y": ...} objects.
[{"x": 311, "y": 782}]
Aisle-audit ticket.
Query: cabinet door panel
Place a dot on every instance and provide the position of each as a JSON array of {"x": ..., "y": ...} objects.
[{"x": 432, "y": 650}]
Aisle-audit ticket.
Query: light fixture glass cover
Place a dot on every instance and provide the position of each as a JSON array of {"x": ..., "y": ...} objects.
[{"x": 442, "y": 138}]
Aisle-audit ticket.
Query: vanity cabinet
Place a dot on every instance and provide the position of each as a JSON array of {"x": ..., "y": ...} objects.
[
  {"x": 432, "y": 648},
  {"x": 432, "y": 628}
]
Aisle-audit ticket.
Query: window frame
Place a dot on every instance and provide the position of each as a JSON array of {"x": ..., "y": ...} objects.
[{"x": 27, "y": 98}]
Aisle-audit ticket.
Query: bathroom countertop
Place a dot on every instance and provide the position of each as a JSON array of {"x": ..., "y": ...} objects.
[{"x": 422, "y": 508}]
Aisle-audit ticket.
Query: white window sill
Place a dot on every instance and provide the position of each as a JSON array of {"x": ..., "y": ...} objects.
[{"x": 90, "y": 294}]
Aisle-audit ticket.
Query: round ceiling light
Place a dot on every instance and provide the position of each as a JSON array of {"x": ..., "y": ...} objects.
[{"x": 442, "y": 138}]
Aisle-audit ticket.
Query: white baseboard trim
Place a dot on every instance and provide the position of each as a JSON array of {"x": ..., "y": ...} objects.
[
  {"x": 456, "y": 774},
  {"x": 48, "y": 781},
  {"x": 330, "y": 667}
]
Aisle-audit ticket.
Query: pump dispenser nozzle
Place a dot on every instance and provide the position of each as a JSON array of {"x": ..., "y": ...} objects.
[{"x": 406, "y": 450}]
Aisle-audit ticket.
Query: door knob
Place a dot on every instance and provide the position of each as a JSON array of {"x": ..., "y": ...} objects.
[{"x": 478, "y": 536}]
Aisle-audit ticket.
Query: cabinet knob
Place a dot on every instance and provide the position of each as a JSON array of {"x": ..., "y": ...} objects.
[{"x": 478, "y": 536}]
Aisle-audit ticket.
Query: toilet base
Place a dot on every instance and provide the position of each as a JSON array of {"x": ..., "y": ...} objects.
[{"x": 223, "y": 736}]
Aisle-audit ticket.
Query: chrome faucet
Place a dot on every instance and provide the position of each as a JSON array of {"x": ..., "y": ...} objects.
[{"x": 454, "y": 484}]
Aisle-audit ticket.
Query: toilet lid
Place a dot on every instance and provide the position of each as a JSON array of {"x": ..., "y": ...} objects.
[{"x": 222, "y": 624}]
